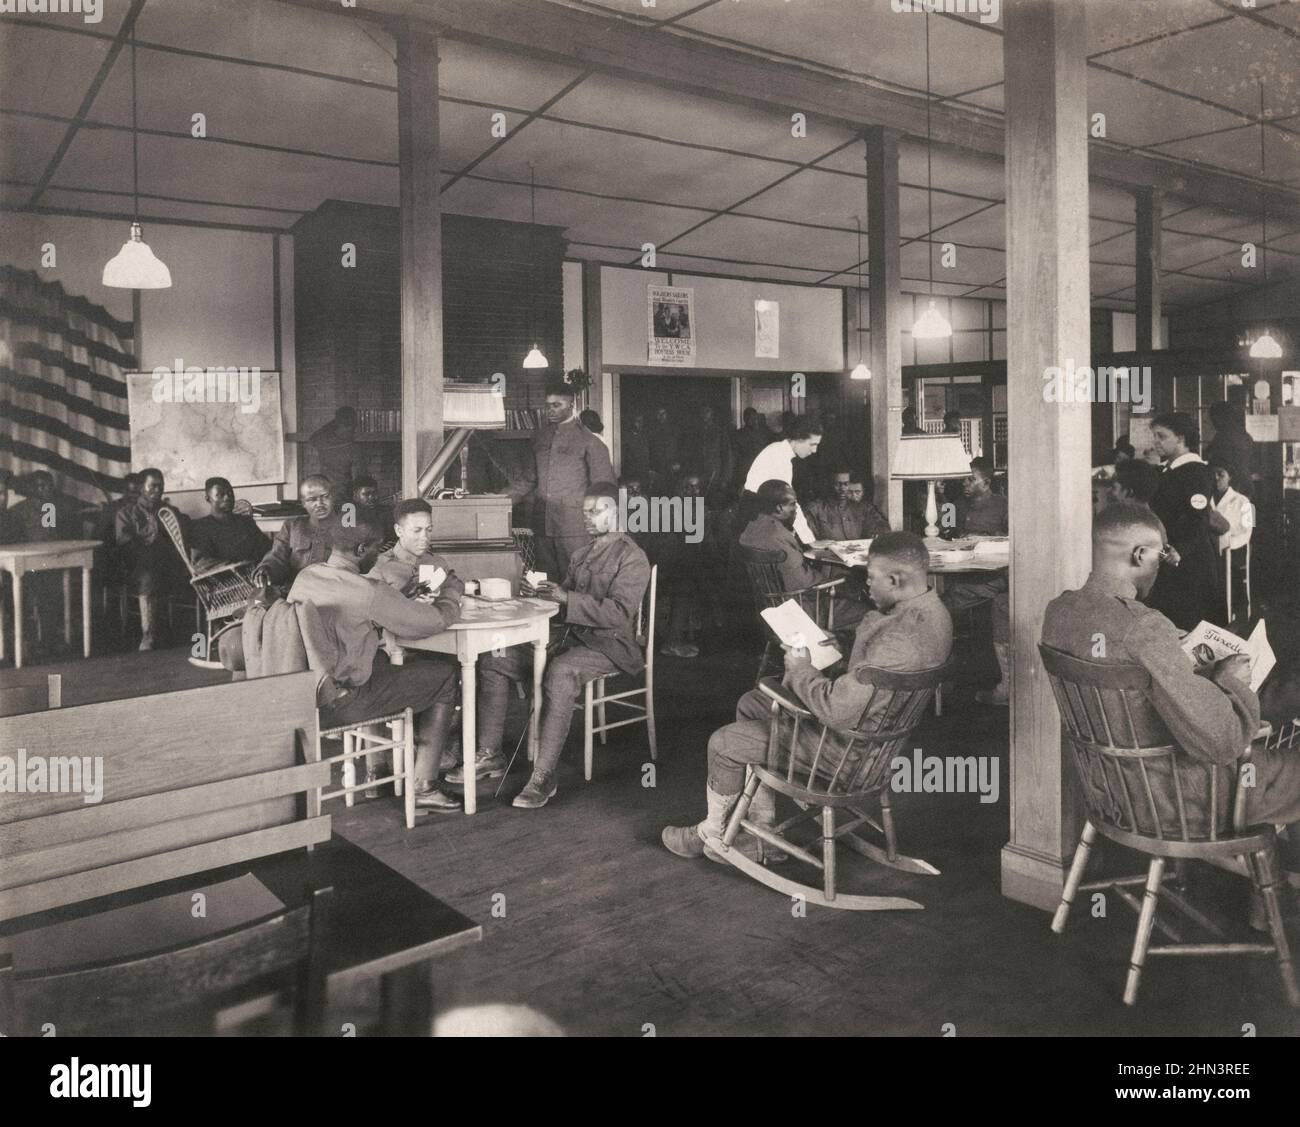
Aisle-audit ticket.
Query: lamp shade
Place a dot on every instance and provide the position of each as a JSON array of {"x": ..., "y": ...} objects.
[
  {"x": 927, "y": 457},
  {"x": 136, "y": 267},
  {"x": 1266, "y": 348},
  {"x": 861, "y": 372},
  {"x": 476, "y": 406}
]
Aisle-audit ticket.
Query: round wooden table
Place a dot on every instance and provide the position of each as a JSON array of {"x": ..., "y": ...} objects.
[{"x": 487, "y": 625}]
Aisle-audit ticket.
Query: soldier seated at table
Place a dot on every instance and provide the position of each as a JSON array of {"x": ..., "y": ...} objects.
[
  {"x": 599, "y": 600},
  {"x": 773, "y": 531},
  {"x": 302, "y": 541},
  {"x": 226, "y": 535},
  {"x": 909, "y": 631},
  {"x": 1211, "y": 713},
  {"x": 847, "y": 515},
  {"x": 399, "y": 567},
  {"x": 297, "y": 544},
  {"x": 354, "y": 607},
  {"x": 144, "y": 558}
]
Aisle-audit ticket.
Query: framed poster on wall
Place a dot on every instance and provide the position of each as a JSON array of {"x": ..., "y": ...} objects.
[{"x": 670, "y": 325}]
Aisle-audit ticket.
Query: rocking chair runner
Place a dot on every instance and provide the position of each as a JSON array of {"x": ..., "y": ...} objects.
[
  {"x": 764, "y": 571},
  {"x": 845, "y": 773},
  {"x": 1136, "y": 790},
  {"x": 223, "y": 591}
]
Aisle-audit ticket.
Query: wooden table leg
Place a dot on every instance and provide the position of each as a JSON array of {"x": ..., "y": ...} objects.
[
  {"x": 468, "y": 733},
  {"x": 85, "y": 610},
  {"x": 18, "y": 618},
  {"x": 534, "y": 716},
  {"x": 406, "y": 1001},
  {"x": 67, "y": 606}
]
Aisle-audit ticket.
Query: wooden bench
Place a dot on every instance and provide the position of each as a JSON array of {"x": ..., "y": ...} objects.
[{"x": 191, "y": 780}]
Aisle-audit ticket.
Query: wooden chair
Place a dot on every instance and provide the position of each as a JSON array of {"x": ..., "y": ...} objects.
[
  {"x": 145, "y": 994},
  {"x": 763, "y": 569},
  {"x": 596, "y": 698},
  {"x": 36, "y": 697},
  {"x": 847, "y": 770},
  {"x": 1135, "y": 788},
  {"x": 222, "y": 592},
  {"x": 191, "y": 780},
  {"x": 369, "y": 738}
]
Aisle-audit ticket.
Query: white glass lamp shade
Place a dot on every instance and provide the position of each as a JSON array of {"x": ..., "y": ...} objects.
[
  {"x": 861, "y": 372},
  {"x": 476, "y": 406},
  {"x": 136, "y": 267},
  {"x": 535, "y": 359},
  {"x": 927, "y": 457},
  {"x": 931, "y": 325},
  {"x": 1266, "y": 348}
]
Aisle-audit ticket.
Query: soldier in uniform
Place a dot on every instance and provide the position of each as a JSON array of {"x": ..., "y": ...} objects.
[{"x": 568, "y": 458}]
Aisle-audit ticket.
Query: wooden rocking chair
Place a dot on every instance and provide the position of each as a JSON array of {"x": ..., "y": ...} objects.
[
  {"x": 1136, "y": 795},
  {"x": 223, "y": 591},
  {"x": 847, "y": 774}
]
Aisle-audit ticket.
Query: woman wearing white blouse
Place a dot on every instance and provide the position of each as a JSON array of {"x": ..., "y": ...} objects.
[{"x": 775, "y": 462}]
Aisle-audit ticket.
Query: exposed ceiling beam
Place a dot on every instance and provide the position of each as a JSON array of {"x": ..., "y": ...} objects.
[{"x": 536, "y": 28}]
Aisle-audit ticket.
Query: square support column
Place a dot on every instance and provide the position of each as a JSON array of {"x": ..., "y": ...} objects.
[
  {"x": 884, "y": 278},
  {"x": 421, "y": 252},
  {"x": 1044, "y": 53}
]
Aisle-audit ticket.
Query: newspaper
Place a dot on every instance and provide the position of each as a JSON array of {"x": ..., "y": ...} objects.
[
  {"x": 791, "y": 623},
  {"x": 853, "y": 553},
  {"x": 1208, "y": 643}
]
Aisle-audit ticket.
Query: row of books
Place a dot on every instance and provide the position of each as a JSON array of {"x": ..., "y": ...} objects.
[
  {"x": 370, "y": 421},
  {"x": 523, "y": 418}
]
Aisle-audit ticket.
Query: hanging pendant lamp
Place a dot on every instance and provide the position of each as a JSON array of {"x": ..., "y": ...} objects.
[
  {"x": 931, "y": 325},
  {"x": 135, "y": 266},
  {"x": 861, "y": 372},
  {"x": 535, "y": 357}
]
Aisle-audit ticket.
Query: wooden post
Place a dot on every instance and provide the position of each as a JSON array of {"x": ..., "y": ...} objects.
[
  {"x": 884, "y": 276},
  {"x": 1044, "y": 62},
  {"x": 421, "y": 252},
  {"x": 1150, "y": 207}
]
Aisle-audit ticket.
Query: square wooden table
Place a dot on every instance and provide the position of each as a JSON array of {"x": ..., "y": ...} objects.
[{"x": 48, "y": 555}]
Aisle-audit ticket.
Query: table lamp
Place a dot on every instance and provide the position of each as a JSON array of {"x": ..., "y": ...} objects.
[{"x": 930, "y": 458}]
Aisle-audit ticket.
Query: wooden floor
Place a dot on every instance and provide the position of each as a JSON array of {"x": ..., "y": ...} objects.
[{"x": 599, "y": 927}]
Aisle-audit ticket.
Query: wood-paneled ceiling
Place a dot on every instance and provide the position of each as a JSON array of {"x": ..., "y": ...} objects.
[{"x": 301, "y": 106}]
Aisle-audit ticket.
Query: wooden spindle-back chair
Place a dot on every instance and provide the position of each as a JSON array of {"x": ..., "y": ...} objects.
[
  {"x": 1143, "y": 791},
  {"x": 826, "y": 770},
  {"x": 222, "y": 591},
  {"x": 595, "y": 696},
  {"x": 763, "y": 569}
]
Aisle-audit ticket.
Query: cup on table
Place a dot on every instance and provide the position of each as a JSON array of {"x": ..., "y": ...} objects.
[{"x": 471, "y": 586}]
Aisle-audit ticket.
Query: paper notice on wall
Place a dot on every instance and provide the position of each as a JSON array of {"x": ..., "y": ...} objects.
[
  {"x": 1262, "y": 428},
  {"x": 767, "y": 328},
  {"x": 671, "y": 325}
]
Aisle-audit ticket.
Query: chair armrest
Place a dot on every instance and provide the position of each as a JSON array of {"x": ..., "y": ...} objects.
[
  {"x": 772, "y": 688},
  {"x": 829, "y": 585}
]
